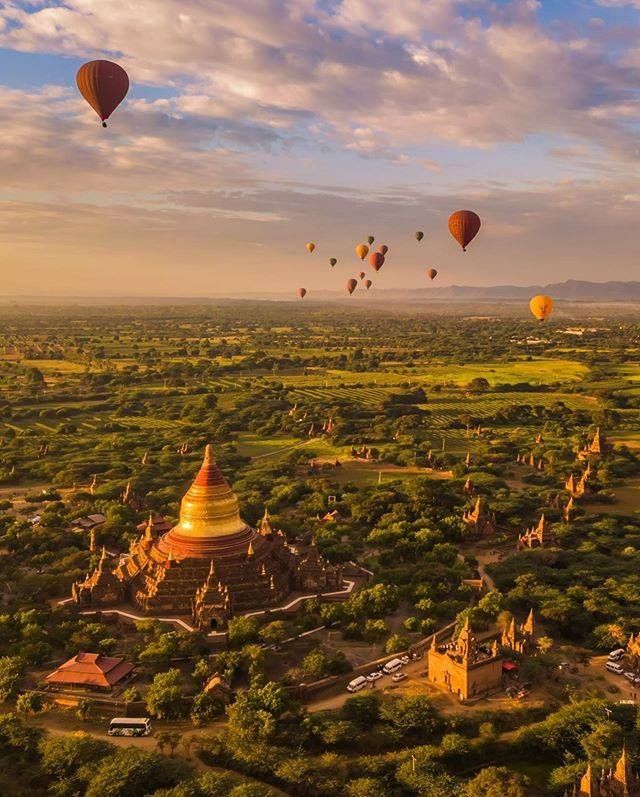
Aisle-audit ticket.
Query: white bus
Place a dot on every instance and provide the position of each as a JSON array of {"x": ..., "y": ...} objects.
[{"x": 129, "y": 726}]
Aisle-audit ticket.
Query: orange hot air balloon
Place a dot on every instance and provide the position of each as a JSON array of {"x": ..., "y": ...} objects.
[
  {"x": 368, "y": 284},
  {"x": 376, "y": 260},
  {"x": 362, "y": 275},
  {"x": 383, "y": 249},
  {"x": 104, "y": 85},
  {"x": 352, "y": 284},
  {"x": 302, "y": 292},
  {"x": 464, "y": 225},
  {"x": 362, "y": 250},
  {"x": 310, "y": 247},
  {"x": 432, "y": 273},
  {"x": 541, "y": 306}
]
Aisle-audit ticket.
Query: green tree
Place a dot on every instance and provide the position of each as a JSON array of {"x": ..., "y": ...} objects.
[
  {"x": 131, "y": 772},
  {"x": 242, "y": 630},
  {"x": 496, "y": 782},
  {"x": 70, "y": 760},
  {"x": 11, "y": 669},
  {"x": 164, "y": 696}
]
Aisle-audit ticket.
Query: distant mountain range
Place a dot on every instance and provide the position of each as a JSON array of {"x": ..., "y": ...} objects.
[
  {"x": 572, "y": 290},
  {"x": 568, "y": 291}
]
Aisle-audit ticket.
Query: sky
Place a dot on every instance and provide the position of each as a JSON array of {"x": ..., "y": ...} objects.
[{"x": 252, "y": 127}]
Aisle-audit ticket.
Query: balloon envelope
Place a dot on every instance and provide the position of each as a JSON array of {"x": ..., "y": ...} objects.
[
  {"x": 464, "y": 225},
  {"x": 362, "y": 250},
  {"x": 362, "y": 275},
  {"x": 419, "y": 235},
  {"x": 332, "y": 261},
  {"x": 104, "y": 85},
  {"x": 383, "y": 249},
  {"x": 541, "y": 306},
  {"x": 432, "y": 273},
  {"x": 351, "y": 285},
  {"x": 302, "y": 292},
  {"x": 368, "y": 284},
  {"x": 310, "y": 246},
  {"x": 370, "y": 240},
  {"x": 376, "y": 260}
]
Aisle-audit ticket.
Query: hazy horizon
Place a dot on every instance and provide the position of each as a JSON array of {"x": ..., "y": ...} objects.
[{"x": 253, "y": 128}]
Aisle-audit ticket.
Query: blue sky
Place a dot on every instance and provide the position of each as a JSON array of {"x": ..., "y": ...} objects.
[{"x": 253, "y": 127}]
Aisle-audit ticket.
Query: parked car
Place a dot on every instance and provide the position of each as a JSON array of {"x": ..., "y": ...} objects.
[
  {"x": 374, "y": 676},
  {"x": 615, "y": 667},
  {"x": 633, "y": 677},
  {"x": 399, "y": 676},
  {"x": 405, "y": 659}
]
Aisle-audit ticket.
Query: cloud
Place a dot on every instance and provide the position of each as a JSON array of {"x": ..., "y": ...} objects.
[
  {"x": 283, "y": 120},
  {"x": 470, "y": 73}
]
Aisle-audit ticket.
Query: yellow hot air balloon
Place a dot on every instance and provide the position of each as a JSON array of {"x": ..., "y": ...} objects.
[
  {"x": 541, "y": 306},
  {"x": 310, "y": 247},
  {"x": 362, "y": 250}
]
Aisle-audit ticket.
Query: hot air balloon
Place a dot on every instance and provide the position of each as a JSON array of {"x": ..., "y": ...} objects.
[
  {"x": 362, "y": 275},
  {"x": 383, "y": 249},
  {"x": 376, "y": 260},
  {"x": 104, "y": 85},
  {"x": 332, "y": 261},
  {"x": 370, "y": 240},
  {"x": 310, "y": 247},
  {"x": 362, "y": 250},
  {"x": 541, "y": 307},
  {"x": 302, "y": 292},
  {"x": 419, "y": 235},
  {"x": 464, "y": 225},
  {"x": 352, "y": 284},
  {"x": 432, "y": 273},
  {"x": 368, "y": 284}
]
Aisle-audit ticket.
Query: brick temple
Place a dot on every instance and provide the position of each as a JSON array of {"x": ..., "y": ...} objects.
[{"x": 211, "y": 564}]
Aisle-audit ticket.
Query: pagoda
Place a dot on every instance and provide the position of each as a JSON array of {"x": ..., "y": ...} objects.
[
  {"x": 211, "y": 564},
  {"x": 539, "y": 536},
  {"x": 618, "y": 782},
  {"x": 480, "y": 519}
]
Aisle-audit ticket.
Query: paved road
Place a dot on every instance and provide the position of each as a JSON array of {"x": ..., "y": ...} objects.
[{"x": 340, "y": 696}]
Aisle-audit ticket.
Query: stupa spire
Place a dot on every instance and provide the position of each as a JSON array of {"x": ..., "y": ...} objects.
[{"x": 210, "y": 507}]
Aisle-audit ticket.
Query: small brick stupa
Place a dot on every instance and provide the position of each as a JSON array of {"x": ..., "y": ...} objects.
[{"x": 211, "y": 564}]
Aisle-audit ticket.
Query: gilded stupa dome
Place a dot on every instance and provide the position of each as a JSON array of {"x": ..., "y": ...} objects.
[{"x": 210, "y": 507}]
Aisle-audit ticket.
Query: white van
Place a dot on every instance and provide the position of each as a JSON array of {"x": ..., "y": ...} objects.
[
  {"x": 616, "y": 655},
  {"x": 392, "y": 666},
  {"x": 614, "y": 666},
  {"x": 357, "y": 684}
]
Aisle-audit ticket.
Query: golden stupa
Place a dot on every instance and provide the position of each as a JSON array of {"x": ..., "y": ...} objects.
[{"x": 211, "y": 564}]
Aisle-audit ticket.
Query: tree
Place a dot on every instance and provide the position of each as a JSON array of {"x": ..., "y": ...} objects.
[
  {"x": 83, "y": 709},
  {"x": 396, "y": 643},
  {"x": 274, "y": 633},
  {"x": 412, "y": 715},
  {"x": 131, "y": 772},
  {"x": 169, "y": 739},
  {"x": 70, "y": 760},
  {"x": 496, "y": 782},
  {"x": 164, "y": 696},
  {"x": 203, "y": 708},
  {"x": 257, "y": 710},
  {"x": 363, "y": 709},
  {"x": 364, "y": 787},
  {"x": 242, "y": 630},
  {"x": 11, "y": 669},
  {"x": 30, "y": 703}
]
